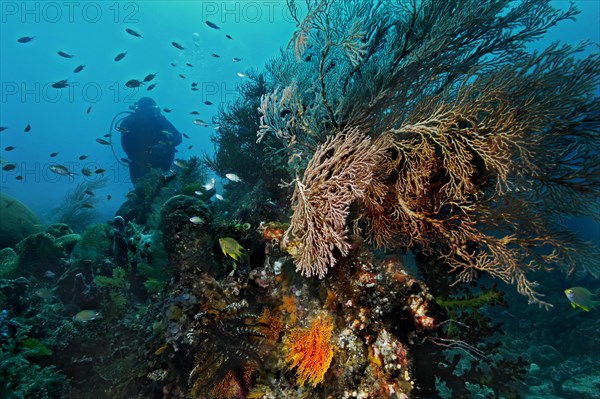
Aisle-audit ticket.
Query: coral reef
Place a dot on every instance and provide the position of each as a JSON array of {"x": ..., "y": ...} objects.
[
  {"x": 421, "y": 146},
  {"x": 18, "y": 221}
]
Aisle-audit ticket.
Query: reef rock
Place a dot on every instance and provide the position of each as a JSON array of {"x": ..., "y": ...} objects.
[
  {"x": 187, "y": 242},
  {"x": 58, "y": 230},
  {"x": 40, "y": 253},
  {"x": 8, "y": 262},
  {"x": 17, "y": 221}
]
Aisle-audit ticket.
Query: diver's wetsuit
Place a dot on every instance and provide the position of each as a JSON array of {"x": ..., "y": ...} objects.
[{"x": 149, "y": 140}]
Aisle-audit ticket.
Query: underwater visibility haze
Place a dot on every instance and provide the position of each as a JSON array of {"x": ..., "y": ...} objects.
[{"x": 300, "y": 199}]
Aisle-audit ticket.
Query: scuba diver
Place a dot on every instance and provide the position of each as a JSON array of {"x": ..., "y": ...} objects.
[{"x": 148, "y": 138}]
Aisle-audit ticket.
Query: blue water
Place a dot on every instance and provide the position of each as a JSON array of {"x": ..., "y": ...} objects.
[{"x": 94, "y": 33}]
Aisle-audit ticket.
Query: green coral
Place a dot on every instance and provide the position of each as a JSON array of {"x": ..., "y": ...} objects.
[
  {"x": 95, "y": 243},
  {"x": 35, "y": 347},
  {"x": 491, "y": 296},
  {"x": 21, "y": 377},
  {"x": 117, "y": 280}
]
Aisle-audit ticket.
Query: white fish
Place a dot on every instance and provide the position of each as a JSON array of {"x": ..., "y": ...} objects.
[
  {"x": 241, "y": 75},
  {"x": 219, "y": 197},
  {"x": 198, "y": 193},
  {"x": 210, "y": 184},
  {"x": 196, "y": 219},
  {"x": 233, "y": 177},
  {"x": 87, "y": 315},
  {"x": 179, "y": 164}
]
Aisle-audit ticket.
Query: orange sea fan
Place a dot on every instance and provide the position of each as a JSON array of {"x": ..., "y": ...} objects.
[{"x": 309, "y": 351}]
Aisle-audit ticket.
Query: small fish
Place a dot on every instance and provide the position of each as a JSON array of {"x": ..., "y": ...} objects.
[
  {"x": 133, "y": 83},
  {"x": 241, "y": 75},
  {"x": 87, "y": 315},
  {"x": 215, "y": 55},
  {"x": 102, "y": 141},
  {"x": 194, "y": 84},
  {"x": 185, "y": 135},
  {"x": 9, "y": 167},
  {"x": 152, "y": 86},
  {"x": 188, "y": 64},
  {"x": 229, "y": 37},
  {"x": 196, "y": 219},
  {"x": 45, "y": 293},
  {"x": 167, "y": 110},
  {"x": 199, "y": 122},
  {"x": 86, "y": 172},
  {"x": 61, "y": 84},
  {"x": 208, "y": 103},
  {"x": 87, "y": 205},
  {"x": 27, "y": 128},
  {"x": 231, "y": 248},
  {"x": 182, "y": 76},
  {"x": 236, "y": 59},
  {"x": 121, "y": 129},
  {"x": 108, "y": 197},
  {"x": 194, "y": 89},
  {"x": 99, "y": 171},
  {"x": 89, "y": 192},
  {"x": 82, "y": 157},
  {"x": 233, "y": 177},
  {"x": 194, "y": 113},
  {"x": 173, "y": 64},
  {"x": 3, "y": 128},
  {"x": 126, "y": 160},
  {"x": 219, "y": 197},
  {"x": 64, "y": 55},
  {"x": 78, "y": 69},
  {"x": 133, "y": 33},
  {"x": 581, "y": 297},
  {"x": 52, "y": 155},
  {"x": 9, "y": 148},
  {"x": 180, "y": 164},
  {"x": 89, "y": 110},
  {"x": 209, "y": 185},
  {"x": 212, "y": 25},
  {"x": 120, "y": 56},
  {"x": 177, "y": 46},
  {"x": 19, "y": 177},
  {"x": 49, "y": 274},
  {"x": 25, "y": 39},
  {"x": 190, "y": 147},
  {"x": 161, "y": 350},
  {"x": 198, "y": 193},
  {"x": 61, "y": 170},
  {"x": 149, "y": 77},
  {"x": 107, "y": 135}
]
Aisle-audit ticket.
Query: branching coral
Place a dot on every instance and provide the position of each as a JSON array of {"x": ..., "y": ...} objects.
[
  {"x": 339, "y": 173},
  {"x": 475, "y": 143},
  {"x": 309, "y": 351}
]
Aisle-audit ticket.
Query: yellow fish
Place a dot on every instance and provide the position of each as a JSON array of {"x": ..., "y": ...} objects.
[
  {"x": 231, "y": 248},
  {"x": 581, "y": 297}
]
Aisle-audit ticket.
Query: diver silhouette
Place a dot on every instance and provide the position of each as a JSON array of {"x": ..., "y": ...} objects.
[{"x": 148, "y": 139}]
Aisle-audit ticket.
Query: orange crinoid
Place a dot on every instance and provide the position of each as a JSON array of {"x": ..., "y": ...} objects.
[{"x": 310, "y": 351}]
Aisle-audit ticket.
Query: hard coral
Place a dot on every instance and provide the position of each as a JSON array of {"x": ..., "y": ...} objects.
[{"x": 310, "y": 351}]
